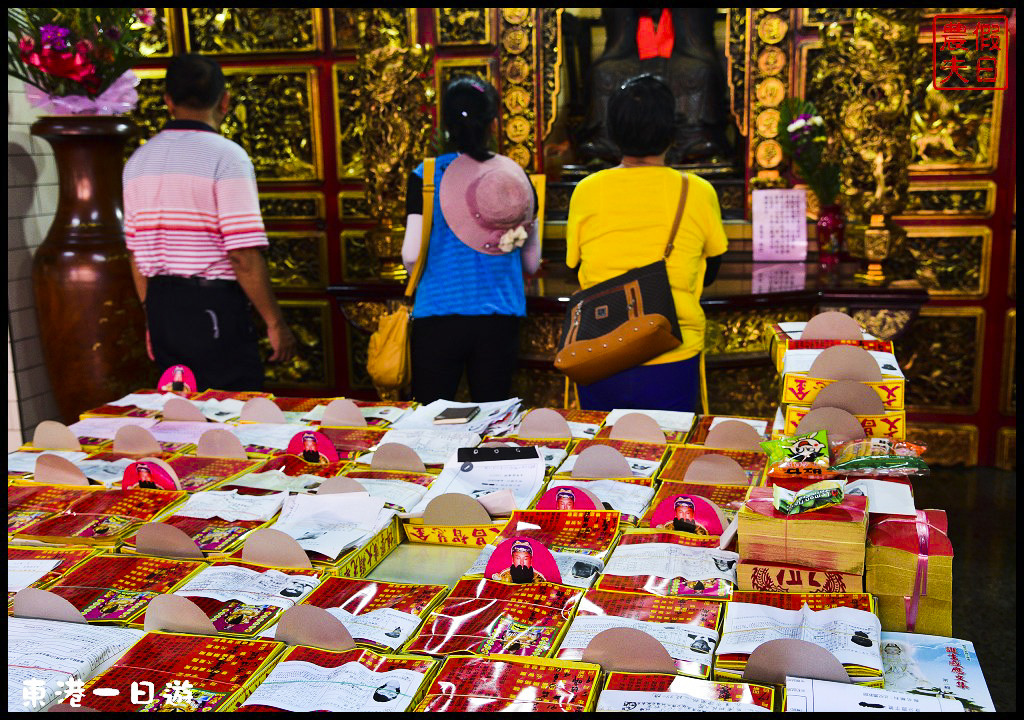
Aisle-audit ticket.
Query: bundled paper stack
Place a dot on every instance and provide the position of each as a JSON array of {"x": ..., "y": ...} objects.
[
  {"x": 910, "y": 570},
  {"x": 828, "y": 540}
]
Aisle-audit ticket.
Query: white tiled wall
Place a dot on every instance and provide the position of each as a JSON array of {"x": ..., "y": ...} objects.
[{"x": 31, "y": 201}]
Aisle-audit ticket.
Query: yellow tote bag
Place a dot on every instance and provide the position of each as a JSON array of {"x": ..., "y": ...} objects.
[{"x": 388, "y": 356}]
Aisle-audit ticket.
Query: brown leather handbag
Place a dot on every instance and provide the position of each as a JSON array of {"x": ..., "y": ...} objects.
[{"x": 622, "y": 322}]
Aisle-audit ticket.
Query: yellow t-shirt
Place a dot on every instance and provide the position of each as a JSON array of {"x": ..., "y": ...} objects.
[{"x": 619, "y": 219}]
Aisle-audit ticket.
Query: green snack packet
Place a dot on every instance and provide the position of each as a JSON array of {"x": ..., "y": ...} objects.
[
  {"x": 813, "y": 497},
  {"x": 806, "y": 449}
]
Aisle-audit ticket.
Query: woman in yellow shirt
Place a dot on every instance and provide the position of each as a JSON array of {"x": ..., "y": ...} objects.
[{"x": 619, "y": 219}]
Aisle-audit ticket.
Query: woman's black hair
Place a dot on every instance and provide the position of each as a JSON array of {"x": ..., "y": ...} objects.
[
  {"x": 469, "y": 107},
  {"x": 641, "y": 116}
]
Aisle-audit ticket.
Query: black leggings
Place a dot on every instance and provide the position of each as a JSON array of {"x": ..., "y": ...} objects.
[{"x": 486, "y": 346}]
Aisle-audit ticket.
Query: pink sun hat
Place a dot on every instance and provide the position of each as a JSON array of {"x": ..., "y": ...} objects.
[{"x": 481, "y": 201}]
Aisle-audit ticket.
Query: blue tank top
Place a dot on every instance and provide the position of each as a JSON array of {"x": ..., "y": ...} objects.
[{"x": 458, "y": 280}]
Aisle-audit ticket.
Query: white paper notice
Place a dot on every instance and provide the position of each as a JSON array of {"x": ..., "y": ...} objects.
[
  {"x": 799, "y": 361},
  {"x": 106, "y": 428},
  {"x": 673, "y": 561},
  {"x": 523, "y": 478},
  {"x": 804, "y": 695},
  {"x": 220, "y": 410},
  {"x": 491, "y": 414},
  {"x": 272, "y": 435},
  {"x": 403, "y": 495},
  {"x": 388, "y": 413},
  {"x": 780, "y": 225},
  {"x": 583, "y": 431},
  {"x": 576, "y": 569},
  {"x": 639, "y": 468},
  {"x": 145, "y": 401},
  {"x": 668, "y": 420},
  {"x": 796, "y": 329},
  {"x": 22, "y": 573},
  {"x": 232, "y": 582},
  {"x": 760, "y": 425},
  {"x": 767, "y": 278},
  {"x": 691, "y": 643},
  {"x": 279, "y": 481},
  {"x": 25, "y": 462},
  {"x": 330, "y": 524},
  {"x": 229, "y": 505},
  {"x": 433, "y": 446},
  {"x": 627, "y": 498},
  {"x": 884, "y": 497},
  {"x": 631, "y": 701},
  {"x": 51, "y": 652},
  {"x": 106, "y": 472},
  {"x": 179, "y": 432},
  {"x": 851, "y": 635},
  {"x": 304, "y": 687}
]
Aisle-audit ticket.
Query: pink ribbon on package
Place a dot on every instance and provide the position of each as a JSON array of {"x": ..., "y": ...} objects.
[
  {"x": 921, "y": 578},
  {"x": 120, "y": 97}
]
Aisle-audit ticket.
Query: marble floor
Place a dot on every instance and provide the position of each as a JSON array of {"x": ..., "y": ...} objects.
[{"x": 981, "y": 506}]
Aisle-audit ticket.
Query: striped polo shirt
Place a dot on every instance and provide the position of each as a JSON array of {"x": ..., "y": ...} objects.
[{"x": 190, "y": 197}]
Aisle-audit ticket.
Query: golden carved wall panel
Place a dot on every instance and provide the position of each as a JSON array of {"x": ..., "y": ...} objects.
[
  {"x": 769, "y": 33},
  {"x": 1006, "y": 449},
  {"x": 950, "y": 131},
  {"x": 972, "y": 199},
  {"x": 745, "y": 391},
  {"x": 289, "y": 206},
  {"x": 357, "y": 344},
  {"x": 949, "y": 445},
  {"x": 151, "y": 113},
  {"x": 401, "y": 22},
  {"x": 948, "y": 262},
  {"x": 155, "y": 41},
  {"x": 519, "y": 116},
  {"x": 447, "y": 69},
  {"x": 539, "y": 336},
  {"x": 237, "y": 31},
  {"x": 551, "y": 66},
  {"x": 743, "y": 331},
  {"x": 297, "y": 260},
  {"x": 737, "y": 47},
  {"x": 357, "y": 260},
  {"x": 462, "y": 27},
  {"x": 539, "y": 388},
  {"x": 1008, "y": 386},
  {"x": 822, "y": 17},
  {"x": 313, "y": 365},
  {"x": 349, "y": 121},
  {"x": 884, "y": 323},
  {"x": 353, "y": 205},
  {"x": 941, "y": 355},
  {"x": 275, "y": 117}
]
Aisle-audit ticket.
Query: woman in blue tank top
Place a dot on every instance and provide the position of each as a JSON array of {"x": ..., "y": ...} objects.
[{"x": 483, "y": 237}]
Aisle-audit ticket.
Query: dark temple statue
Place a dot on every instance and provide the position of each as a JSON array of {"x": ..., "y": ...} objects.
[{"x": 682, "y": 54}]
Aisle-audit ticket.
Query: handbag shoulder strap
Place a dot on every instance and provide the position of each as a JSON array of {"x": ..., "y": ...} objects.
[
  {"x": 428, "y": 219},
  {"x": 679, "y": 217}
]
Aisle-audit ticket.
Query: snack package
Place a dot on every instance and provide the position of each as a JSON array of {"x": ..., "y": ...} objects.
[
  {"x": 880, "y": 457},
  {"x": 798, "y": 455},
  {"x": 813, "y": 497}
]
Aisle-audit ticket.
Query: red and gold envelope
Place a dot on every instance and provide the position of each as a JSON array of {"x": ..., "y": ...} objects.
[
  {"x": 487, "y": 617},
  {"x": 698, "y": 613},
  {"x": 352, "y": 442},
  {"x": 728, "y": 497},
  {"x": 501, "y": 683},
  {"x": 652, "y": 452},
  {"x": 202, "y": 473},
  {"x": 117, "y": 588},
  {"x": 69, "y": 558},
  {"x": 152, "y": 675},
  {"x": 669, "y": 587},
  {"x": 753, "y": 463},
  {"x": 746, "y": 693},
  {"x": 702, "y": 427},
  {"x": 584, "y": 531}
]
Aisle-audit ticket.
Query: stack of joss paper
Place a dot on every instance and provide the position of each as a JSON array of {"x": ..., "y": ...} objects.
[
  {"x": 910, "y": 570},
  {"x": 816, "y": 551}
]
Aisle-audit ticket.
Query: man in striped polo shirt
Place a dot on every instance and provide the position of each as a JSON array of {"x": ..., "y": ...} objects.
[{"x": 192, "y": 223}]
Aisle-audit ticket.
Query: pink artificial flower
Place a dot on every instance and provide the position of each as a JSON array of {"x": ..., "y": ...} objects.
[
  {"x": 26, "y": 45},
  {"x": 83, "y": 47},
  {"x": 146, "y": 16}
]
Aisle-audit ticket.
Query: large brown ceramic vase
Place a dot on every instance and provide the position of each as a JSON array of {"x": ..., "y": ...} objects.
[{"x": 90, "y": 320}]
